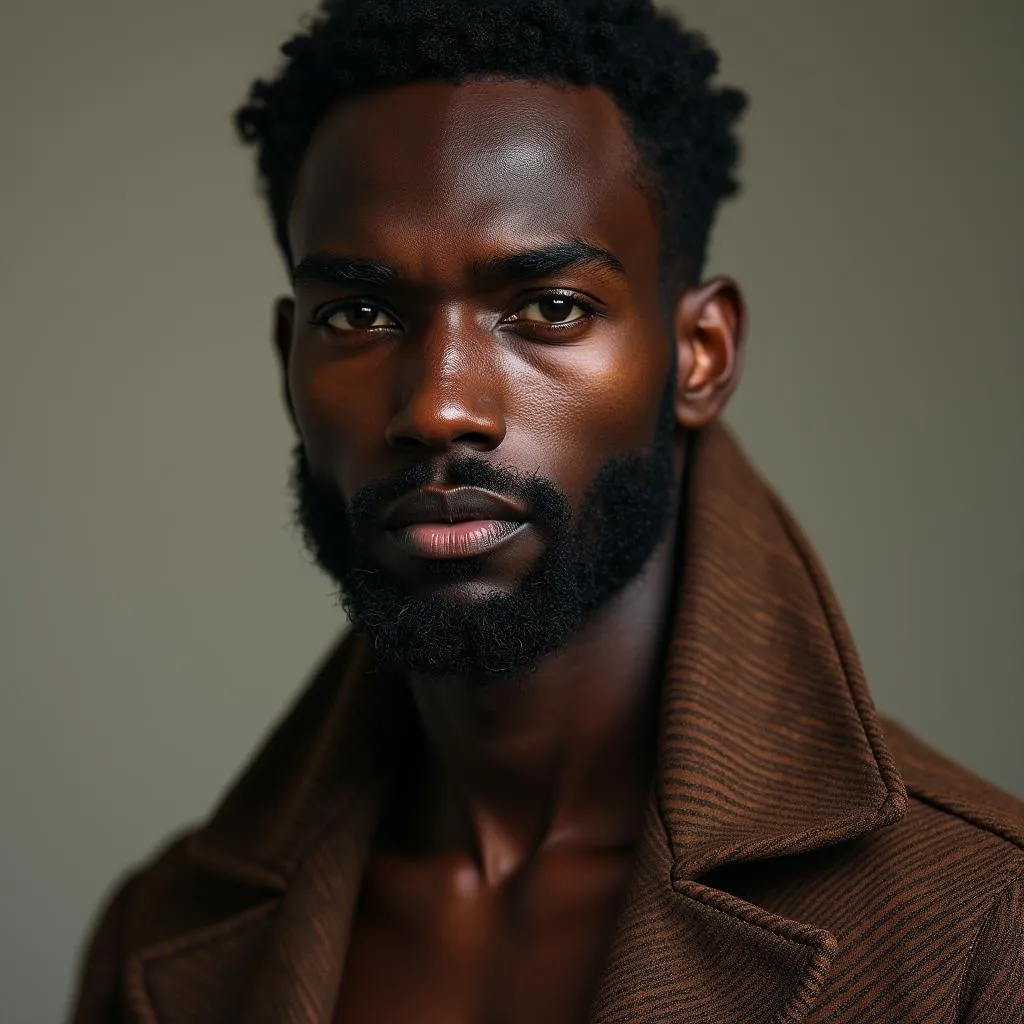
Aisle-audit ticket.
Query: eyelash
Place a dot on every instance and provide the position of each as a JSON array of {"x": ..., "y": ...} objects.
[{"x": 322, "y": 316}]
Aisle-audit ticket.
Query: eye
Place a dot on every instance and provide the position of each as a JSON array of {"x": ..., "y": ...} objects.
[
  {"x": 357, "y": 315},
  {"x": 554, "y": 311}
]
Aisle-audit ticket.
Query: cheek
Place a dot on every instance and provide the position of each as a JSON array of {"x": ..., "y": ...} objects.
[
  {"x": 341, "y": 405},
  {"x": 581, "y": 406}
]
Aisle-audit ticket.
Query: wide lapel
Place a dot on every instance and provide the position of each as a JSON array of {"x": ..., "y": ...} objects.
[
  {"x": 299, "y": 976},
  {"x": 769, "y": 746},
  {"x": 285, "y": 853}
]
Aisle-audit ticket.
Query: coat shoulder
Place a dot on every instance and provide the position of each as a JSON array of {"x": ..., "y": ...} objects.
[
  {"x": 927, "y": 912},
  {"x": 941, "y": 791},
  {"x": 159, "y": 896}
]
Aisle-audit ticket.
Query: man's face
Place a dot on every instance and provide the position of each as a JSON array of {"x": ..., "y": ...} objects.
[{"x": 479, "y": 367}]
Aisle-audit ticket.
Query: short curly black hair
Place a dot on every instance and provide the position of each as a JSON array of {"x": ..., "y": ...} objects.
[{"x": 656, "y": 71}]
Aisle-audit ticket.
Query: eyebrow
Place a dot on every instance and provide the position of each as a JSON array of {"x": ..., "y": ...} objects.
[{"x": 527, "y": 265}]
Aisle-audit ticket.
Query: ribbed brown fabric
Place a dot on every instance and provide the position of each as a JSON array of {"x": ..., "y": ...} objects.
[{"x": 797, "y": 864}]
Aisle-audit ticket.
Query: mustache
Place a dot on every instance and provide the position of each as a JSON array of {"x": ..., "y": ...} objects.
[{"x": 546, "y": 504}]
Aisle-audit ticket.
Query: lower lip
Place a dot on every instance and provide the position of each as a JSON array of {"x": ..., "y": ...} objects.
[{"x": 455, "y": 540}]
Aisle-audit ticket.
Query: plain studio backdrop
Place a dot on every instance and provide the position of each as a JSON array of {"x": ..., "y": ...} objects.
[{"x": 158, "y": 610}]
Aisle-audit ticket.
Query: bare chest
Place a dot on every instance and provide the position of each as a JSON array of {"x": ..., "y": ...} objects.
[{"x": 431, "y": 944}]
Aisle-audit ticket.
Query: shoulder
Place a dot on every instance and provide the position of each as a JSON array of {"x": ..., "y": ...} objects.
[
  {"x": 230, "y": 861},
  {"x": 970, "y": 834},
  {"x": 150, "y": 902},
  {"x": 921, "y": 887},
  {"x": 957, "y": 856},
  {"x": 946, "y": 801}
]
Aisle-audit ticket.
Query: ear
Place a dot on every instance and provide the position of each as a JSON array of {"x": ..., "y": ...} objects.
[
  {"x": 709, "y": 322},
  {"x": 284, "y": 324}
]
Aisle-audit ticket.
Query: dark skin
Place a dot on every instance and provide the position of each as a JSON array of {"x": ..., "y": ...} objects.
[{"x": 492, "y": 888}]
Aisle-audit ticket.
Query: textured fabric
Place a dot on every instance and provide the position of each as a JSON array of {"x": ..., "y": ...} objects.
[{"x": 799, "y": 861}]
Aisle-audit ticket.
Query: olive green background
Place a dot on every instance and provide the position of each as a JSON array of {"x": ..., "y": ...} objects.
[{"x": 157, "y": 609}]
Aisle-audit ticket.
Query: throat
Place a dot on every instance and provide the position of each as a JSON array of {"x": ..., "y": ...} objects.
[
  {"x": 562, "y": 758},
  {"x": 432, "y": 942}
]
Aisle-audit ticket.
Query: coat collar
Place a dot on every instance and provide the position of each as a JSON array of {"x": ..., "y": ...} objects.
[{"x": 769, "y": 746}]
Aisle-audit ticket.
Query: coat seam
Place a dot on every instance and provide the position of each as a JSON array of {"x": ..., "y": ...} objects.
[
  {"x": 936, "y": 804},
  {"x": 972, "y": 950},
  {"x": 207, "y": 934}
]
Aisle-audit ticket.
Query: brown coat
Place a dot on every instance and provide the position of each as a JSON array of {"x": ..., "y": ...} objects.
[{"x": 797, "y": 864}]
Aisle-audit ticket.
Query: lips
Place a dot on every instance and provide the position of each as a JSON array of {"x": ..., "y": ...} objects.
[
  {"x": 453, "y": 522},
  {"x": 451, "y": 505}
]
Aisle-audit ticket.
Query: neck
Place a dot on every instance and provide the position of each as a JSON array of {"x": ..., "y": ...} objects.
[{"x": 565, "y": 754}]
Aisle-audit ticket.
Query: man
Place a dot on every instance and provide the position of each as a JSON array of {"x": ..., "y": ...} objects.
[{"x": 598, "y": 747}]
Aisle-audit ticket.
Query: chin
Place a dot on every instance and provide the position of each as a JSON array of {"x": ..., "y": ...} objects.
[{"x": 466, "y": 593}]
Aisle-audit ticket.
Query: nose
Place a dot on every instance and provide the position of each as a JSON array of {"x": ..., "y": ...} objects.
[{"x": 449, "y": 392}]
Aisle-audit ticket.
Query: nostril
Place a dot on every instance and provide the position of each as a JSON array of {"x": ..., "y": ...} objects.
[
  {"x": 406, "y": 441},
  {"x": 478, "y": 440}
]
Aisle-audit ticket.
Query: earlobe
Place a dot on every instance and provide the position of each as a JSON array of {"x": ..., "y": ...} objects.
[
  {"x": 709, "y": 321},
  {"x": 284, "y": 325}
]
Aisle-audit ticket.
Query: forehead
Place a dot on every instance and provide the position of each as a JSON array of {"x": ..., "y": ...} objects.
[{"x": 508, "y": 160}]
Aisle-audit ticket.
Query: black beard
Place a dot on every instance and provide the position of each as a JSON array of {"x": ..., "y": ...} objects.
[{"x": 623, "y": 515}]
